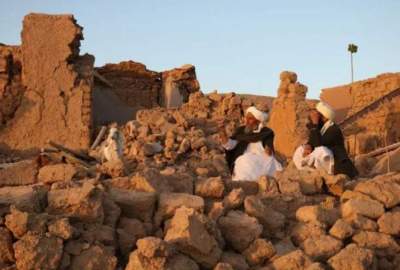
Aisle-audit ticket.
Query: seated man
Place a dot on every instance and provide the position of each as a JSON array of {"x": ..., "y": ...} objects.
[
  {"x": 249, "y": 152},
  {"x": 325, "y": 140}
]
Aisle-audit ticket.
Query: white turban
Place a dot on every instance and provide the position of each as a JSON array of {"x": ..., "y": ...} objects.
[
  {"x": 259, "y": 115},
  {"x": 325, "y": 110}
]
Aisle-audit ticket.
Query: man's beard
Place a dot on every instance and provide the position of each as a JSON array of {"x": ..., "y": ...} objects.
[{"x": 249, "y": 129}]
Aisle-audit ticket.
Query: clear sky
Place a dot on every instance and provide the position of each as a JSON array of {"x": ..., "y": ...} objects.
[{"x": 236, "y": 45}]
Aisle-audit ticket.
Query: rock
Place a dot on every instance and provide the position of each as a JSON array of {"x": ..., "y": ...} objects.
[
  {"x": 314, "y": 213},
  {"x": 295, "y": 260},
  {"x": 96, "y": 257},
  {"x": 271, "y": 220},
  {"x": 129, "y": 231},
  {"x": 336, "y": 183},
  {"x": 234, "y": 199},
  {"x": 267, "y": 186},
  {"x": 341, "y": 229},
  {"x": 151, "y": 180},
  {"x": 248, "y": 187},
  {"x": 19, "y": 173},
  {"x": 316, "y": 266},
  {"x": 237, "y": 261},
  {"x": 134, "y": 204},
  {"x": 359, "y": 222},
  {"x": 212, "y": 187},
  {"x": 155, "y": 254},
  {"x": 389, "y": 223},
  {"x": 6, "y": 247},
  {"x": 38, "y": 252},
  {"x": 259, "y": 251},
  {"x": 188, "y": 232},
  {"x": 216, "y": 210},
  {"x": 94, "y": 233},
  {"x": 368, "y": 208},
  {"x": 28, "y": 198},
  {"x": 384, "y": 190},
  {"x": 223, "y": 266},
  {"x": 169, "y": 202},
  {"x": 353, "y": 257},
  {"x": 150, "y": 149},
  {"x": 321, "y": 248},
  {"x": 303, "y": 231},
  {"x": 57, "y": 172},
  {"x": 84, "y": 203},
  {"x": 19, "y": 222},
  {"x": 111, "y": 211},
  {"x": 239, "y": 229},
  {"x": 61, "y": 228},
  {"x": 381, "y": 243}
]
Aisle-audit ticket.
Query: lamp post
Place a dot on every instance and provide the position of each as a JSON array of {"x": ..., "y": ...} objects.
[{"x": 352, "y": 48}]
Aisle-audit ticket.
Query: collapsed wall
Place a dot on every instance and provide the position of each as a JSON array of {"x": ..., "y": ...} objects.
[
  {"x": 129, "y": 86},
  {"x": 377, "y": 127},
  {"x": 49, "y": 92},
  {"x": 56, "y": 104},
  {"x": 289, "y": 114}
]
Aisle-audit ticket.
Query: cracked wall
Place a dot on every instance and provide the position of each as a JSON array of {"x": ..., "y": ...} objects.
[{"x": 56, "y": 104}]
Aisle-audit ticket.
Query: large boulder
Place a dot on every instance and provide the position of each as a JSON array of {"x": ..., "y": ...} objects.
[
  {"x": 385, "y": 189},
  {"x": 83, "y": 202},
  {"x": 189, "y": 232},
  {"x": 295, "y": 260},
  {"x": 19, "y": 173},
  {"x": 96, "y": 257},
  {"x": 169, "y": 202},
  {"x": 382, "y": 244},
  {"x": 353, "y": 257},
  {"x": 134, "y": 204},
  {"x": 321, "y": 248},
  {"x": 56, "y": 172},
  {"x": 259, "y": 251},
  {"x": 389, "y": 223},
  {"x": 272, "y": 221},
  {"x": 368, "y": 208},
  {"x": 29, "y": 198},
  {"x": 155, "y": 254},
  {"x": 38, "y": 252},
  {"x": 211, "y": 187},
  {"x": 240, "y": 229}
]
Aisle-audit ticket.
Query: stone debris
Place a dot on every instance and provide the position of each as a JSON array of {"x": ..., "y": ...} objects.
[{"x": 156, "y": 193}]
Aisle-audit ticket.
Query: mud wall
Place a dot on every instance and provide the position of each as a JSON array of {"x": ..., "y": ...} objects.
[
  {"x": 56, "y": 103},
  {"x": 375, "y": 129},
  {"x": 289, "y": 114}
]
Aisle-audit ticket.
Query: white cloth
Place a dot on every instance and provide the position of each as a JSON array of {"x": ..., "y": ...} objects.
[
  {"x": 113, "y": 149},
  {"x": 253, "y": 163},
  {"x": 320, "y": 158},
  {"x": 325, "y": 127},
  {"x": 259, "y": 115}
]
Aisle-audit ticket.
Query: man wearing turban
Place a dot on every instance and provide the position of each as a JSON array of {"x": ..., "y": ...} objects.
[
  {"x": 250, "y": 150},
  {"x": 326, "y": 139}
]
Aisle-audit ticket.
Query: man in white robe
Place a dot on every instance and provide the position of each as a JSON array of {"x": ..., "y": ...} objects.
[{"x": 249, "y": 151}]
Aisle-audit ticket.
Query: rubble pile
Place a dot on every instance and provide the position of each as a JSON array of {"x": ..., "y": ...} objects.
[
  {"x": 155, "y": 193},
  {"x": 168, "y": 202}
]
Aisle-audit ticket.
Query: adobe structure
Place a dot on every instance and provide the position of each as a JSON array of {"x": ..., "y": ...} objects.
[
  {"x": 50, "y": 92},
  {"x": 368, "y": 111}
]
